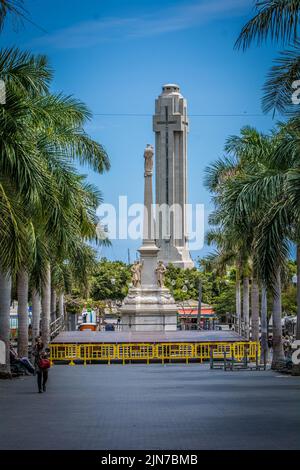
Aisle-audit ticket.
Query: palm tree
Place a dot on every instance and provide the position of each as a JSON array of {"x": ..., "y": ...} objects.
[
  {"x": 39, "y": 134},
  {"x": 252, "y": 198},
  {"x": 74, "y": 272},
  {"x": 10, "y": 245},
  {"x": 271, "y": 190},
  {"x": 76, "y": 223},
  {"x": 82, "y": 266},
  {"x": 240, "y": 152},
  {"x": 228, "y": 253},
  {"x": 284, "y": 224},
  {"x": 20, "y": 72},
  {"x": 277, "y": 20},
  {"x": 71, "y": 221}
]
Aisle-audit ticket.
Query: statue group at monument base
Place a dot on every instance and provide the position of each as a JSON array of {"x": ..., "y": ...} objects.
[{"x": 149, "y": 309}]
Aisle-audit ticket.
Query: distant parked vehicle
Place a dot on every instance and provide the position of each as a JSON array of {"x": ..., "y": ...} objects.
[{"x": 109, "y": 327}]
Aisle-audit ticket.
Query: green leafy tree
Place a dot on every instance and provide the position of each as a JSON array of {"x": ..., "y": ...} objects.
[
  {"x": 183, "y": 283},
  {"x": 224, "y": 301},
  {"x": 110, "y": 280}
]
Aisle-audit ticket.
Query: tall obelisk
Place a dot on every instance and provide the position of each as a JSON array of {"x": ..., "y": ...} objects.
[
  {"x": 149, "y": 306},
  {"x": 148, "y": 250},
  {"x": 170, "y": 124}
]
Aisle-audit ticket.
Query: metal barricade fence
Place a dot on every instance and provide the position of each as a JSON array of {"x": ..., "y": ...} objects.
[{"x": 128, "y": 352}]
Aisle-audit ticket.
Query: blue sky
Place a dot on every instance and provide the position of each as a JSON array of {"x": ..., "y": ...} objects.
[{"x": 115, "y": 56}]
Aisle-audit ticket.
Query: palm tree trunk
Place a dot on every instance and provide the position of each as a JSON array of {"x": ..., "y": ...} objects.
[
  {"x": 46, "y": 306},
  {"x": 298, "y": 293},
  {"x": 5, "y": 300},
  {"x": 246, "y": 307},
  {"x": 296, "y": 367},
  {"x": 264, "y": 325},
  {"x": 22, "y": 293},
  {"x": 238, "y": 306},
  {"x": 61, "y": 305},
  {"x": 238, "y": 299},
  {"x": 278, "y": 361},
  {"x": 61, "y": 309},
  {"x": 255, "y": 310},
  {"x": 53, "y": 304},
  {"x": 36, "y": 314}
]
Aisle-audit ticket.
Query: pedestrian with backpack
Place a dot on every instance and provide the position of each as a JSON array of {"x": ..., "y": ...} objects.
[{"x": 42, "y": 364}]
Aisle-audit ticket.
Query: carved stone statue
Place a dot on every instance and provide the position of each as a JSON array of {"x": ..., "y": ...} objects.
[
  {"x": 148, "y": 155},
  {"x": 160, "y": 273},
  {"x": 136, "y": 271}
]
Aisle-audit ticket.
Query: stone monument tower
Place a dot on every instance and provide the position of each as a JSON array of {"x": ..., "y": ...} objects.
[
  {"x": 149, "y": 306},
  {"x": 170, "y": 124}
]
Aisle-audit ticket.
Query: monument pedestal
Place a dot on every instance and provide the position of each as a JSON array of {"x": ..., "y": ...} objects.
[{"x": 149, "y": 309}]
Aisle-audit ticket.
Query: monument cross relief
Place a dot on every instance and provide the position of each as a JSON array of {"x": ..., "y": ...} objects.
[{"x": 170, "y": 125}]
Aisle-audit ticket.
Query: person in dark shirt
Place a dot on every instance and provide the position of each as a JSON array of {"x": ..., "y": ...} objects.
[{"x": 39, "y": 353}]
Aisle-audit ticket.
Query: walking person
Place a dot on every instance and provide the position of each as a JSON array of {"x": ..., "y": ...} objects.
[{"x": 41, "y": 363}]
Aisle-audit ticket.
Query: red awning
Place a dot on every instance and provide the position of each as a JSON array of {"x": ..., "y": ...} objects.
[{"x": 194, "y": 311}]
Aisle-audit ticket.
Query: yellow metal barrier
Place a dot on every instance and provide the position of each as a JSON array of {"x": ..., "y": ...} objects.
[
  {"x": 64, "y": 352},
  {"x": 169, "y": 351},
  {"x": 135, "y": 351},
  {"x": 127, "y": 352}
]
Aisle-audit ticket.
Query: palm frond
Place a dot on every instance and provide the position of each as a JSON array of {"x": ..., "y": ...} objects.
[
  {"x": 219, "y": 171},
  {"x": 25, "y": 71},
  {"x": 287, "y": 152},
  {"x": 11, "y": 7},
  {"x": 277, "y": 20},
  {"x": 278, "y": 89},
  {"x": 272, "y": 244},
  {"x": 58, "y": 111},
  {"x": 244, "y": 196},
  {"x": 12, "y": 223},
  {"x": 40, "y": 259}
]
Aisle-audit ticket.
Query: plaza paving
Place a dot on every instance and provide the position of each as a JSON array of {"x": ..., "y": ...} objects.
[{"x": 176, "y": 406}]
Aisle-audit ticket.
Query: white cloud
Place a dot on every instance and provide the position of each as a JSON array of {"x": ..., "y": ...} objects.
[{"x": 181, "y": 17}]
